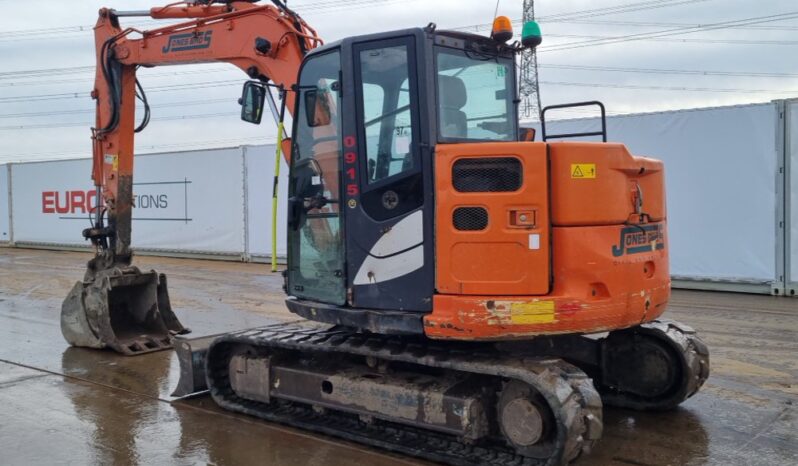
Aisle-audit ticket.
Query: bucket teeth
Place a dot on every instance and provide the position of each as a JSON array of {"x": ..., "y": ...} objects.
[{"x": 122, "y": 309}]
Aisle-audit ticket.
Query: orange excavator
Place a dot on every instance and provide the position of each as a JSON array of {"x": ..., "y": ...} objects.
[{"x": 471, "y": 296}]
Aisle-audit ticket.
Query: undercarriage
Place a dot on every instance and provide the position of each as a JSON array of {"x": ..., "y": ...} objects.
[{"x": 521, "y": 403}]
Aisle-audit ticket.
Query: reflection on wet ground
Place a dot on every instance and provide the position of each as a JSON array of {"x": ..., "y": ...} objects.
[{"x": 77, "y": 406}]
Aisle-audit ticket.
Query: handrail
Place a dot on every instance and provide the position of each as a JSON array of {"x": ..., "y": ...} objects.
[{"x": 602, "y": 133}]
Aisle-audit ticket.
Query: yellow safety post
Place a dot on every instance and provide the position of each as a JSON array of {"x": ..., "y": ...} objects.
[{"x": 277, "y": 154}]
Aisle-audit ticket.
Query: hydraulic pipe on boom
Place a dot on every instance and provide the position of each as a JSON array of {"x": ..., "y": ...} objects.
[{"x": 116, "y": 305}]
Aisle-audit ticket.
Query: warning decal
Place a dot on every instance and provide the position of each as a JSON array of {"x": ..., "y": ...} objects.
[
  {"x": 533, "y": 312},
  {"x": 112, "y": 159},
  {"x": 583, "y": 170}
]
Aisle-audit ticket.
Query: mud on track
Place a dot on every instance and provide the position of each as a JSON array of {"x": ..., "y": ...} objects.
[{"x": 74, "y": 406}]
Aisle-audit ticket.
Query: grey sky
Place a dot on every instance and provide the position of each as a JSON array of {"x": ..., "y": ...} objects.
[{"x": 745, "y": 52}]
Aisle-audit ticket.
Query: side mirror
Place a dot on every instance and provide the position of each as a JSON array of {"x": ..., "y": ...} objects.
[
  {"x": 317, "y": 107},
  {"x": 252, "y": 99}
]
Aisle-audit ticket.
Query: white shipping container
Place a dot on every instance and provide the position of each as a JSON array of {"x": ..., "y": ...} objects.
[
  {"x": 792, "y": 186},
  {"x": 186, "y": 201},
  {"x": 260, "y": 182},
  {"x": 5, "y": 204}
]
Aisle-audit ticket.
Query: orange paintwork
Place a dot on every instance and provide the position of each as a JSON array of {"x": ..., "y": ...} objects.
[
  {"x": 606, "y": 199},
  {"x": 496, "y": 260},
  {"x": 221, "y": 34},
  {"x": 607, "y": 270}
]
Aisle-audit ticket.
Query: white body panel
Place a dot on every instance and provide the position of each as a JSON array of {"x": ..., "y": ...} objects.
[{"x": 398, "y": 252}]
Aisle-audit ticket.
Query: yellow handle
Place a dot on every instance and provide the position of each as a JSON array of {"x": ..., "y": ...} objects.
[{"x": 277, "y": 155}]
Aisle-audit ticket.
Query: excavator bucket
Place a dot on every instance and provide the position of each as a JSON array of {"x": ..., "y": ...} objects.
[{"x": 122, "y": 309}]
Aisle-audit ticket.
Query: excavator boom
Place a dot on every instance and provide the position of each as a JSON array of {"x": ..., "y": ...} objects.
[{"x": 116, "y": 305}]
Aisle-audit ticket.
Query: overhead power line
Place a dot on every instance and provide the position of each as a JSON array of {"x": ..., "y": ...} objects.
[
  {"x": 672, "y": 88},
  {"x": 70, "y": 125},
  {"x": 701, "y": 40},
  {"x": 92, "y": 111},
  {"x": 673, "y": 31},
  {"x": 596, "y": 12},
  {"x": 211, "y": 84},
  {"x": 561, "y": 17},
  {"x": 315, "y": 7},
  {"x": 746, "y": 74},
  {"x": 46, "y": 72},
  {"x": 49, "y": 82},
  {"x": 610, "y": 22},
  {"x": 628, "y": 8},
  {"x": 84, "y": 94},
  {"x": 197, "y": 145}
]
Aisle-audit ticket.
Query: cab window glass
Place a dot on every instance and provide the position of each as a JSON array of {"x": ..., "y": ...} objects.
[
  {"x": 385, "y": 95},
  {"x": 475, "y": 96},
  {"x": 373, "y": 102},
  {"x": 315, "y": 243}
]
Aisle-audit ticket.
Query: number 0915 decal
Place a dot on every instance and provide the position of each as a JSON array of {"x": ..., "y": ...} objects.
[{"x": 350, "y": 158}]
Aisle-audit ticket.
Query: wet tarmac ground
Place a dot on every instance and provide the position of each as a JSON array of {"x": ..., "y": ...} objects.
[{"x": 62, "y": 405}]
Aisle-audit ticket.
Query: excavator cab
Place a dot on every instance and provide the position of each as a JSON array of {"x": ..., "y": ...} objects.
[
  {"x": 417, "y": 206},
  {"x": 370, "y": 112}
]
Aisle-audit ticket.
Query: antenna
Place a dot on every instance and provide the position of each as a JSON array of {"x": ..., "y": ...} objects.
[{"x": 528, "y": 86}]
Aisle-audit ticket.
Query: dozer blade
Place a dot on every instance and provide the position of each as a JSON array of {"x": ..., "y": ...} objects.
[
  {"x": 122, "y": 309},
  {"x": 191, "y": 354}
]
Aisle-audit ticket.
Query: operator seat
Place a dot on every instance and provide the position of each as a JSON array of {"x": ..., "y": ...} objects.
[{"x": 451, "y": 100}]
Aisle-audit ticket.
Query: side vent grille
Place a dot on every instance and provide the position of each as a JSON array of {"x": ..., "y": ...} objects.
[
  {"x": 470, "y": 218},
  {"x": 488, "y": 174}
]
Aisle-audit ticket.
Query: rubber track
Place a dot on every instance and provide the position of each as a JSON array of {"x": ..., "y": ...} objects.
[
  {"x": 574, "y": 400},
  {"x": 694, "y": 356}
]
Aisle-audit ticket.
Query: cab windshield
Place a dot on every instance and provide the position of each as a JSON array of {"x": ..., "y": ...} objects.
[{"x": 475, "y": 96}]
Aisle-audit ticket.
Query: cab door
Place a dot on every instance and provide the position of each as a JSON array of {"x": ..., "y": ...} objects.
[
  {"x": 315, "y": 236},
  {"x": 387, "y": 178}
]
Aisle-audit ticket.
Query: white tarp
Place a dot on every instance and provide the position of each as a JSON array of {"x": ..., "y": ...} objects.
[
  {"x": 793, "y": 195},
  {"x": 185, "y": 201},
  {"x": 260, "y": 181},
  {"x": 720, "y": 166},
  {"x": 5, "y": 221}
]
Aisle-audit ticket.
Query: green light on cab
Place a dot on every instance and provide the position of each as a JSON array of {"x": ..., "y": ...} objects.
[{"x": 530, "y": 35}]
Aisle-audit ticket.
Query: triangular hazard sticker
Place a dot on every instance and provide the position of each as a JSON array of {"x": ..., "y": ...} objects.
[{"x": 578, "y": 172}]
